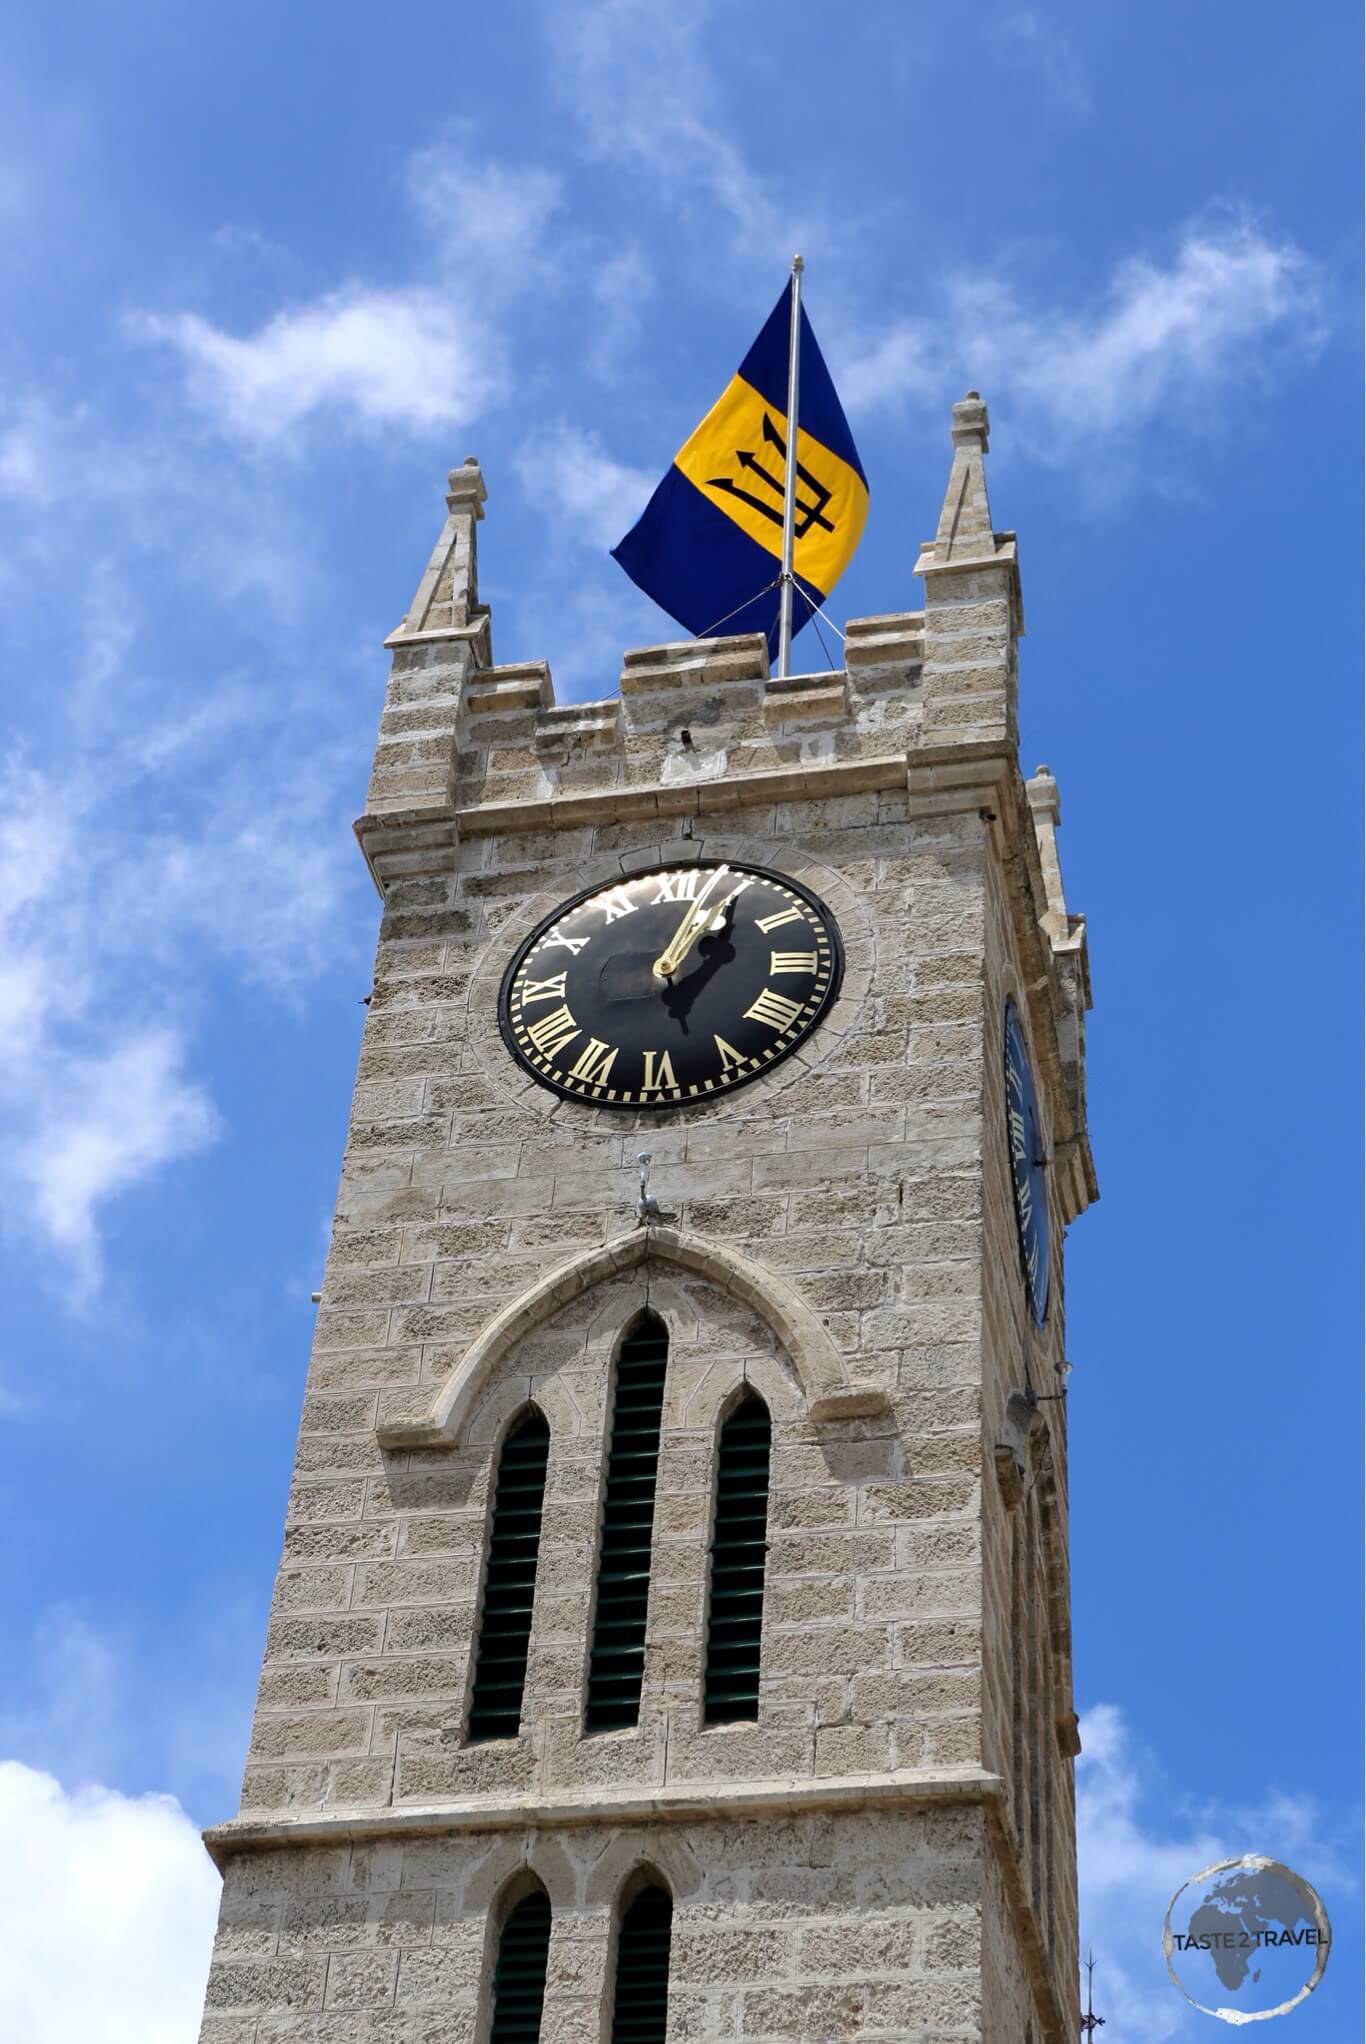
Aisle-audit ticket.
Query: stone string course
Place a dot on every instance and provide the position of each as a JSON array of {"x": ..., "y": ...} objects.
[{"x": 916, "y": 1627}]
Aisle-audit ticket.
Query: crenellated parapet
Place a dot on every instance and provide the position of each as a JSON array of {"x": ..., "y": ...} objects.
[{"x": 925, "y": 704}]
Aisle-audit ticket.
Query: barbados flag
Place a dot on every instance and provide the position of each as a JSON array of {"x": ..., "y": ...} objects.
[{"x": 708, "y": 546}]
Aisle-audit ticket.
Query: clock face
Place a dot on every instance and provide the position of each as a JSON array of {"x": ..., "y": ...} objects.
[
  {"x": 670, "y": 986},
  {"x": 1028, "y": 1164}
]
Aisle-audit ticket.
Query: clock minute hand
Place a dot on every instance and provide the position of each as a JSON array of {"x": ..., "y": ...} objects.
[{"x": 688, "y": 931}]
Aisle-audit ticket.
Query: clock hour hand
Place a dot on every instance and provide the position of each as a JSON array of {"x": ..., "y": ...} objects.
[{"x": 688, "y": 931}]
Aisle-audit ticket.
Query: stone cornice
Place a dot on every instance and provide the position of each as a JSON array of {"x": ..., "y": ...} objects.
[
  {"x": 465, "y": 634},
  {"x": 623, "y": 803},
  {"x": 698, "y": 1802}
]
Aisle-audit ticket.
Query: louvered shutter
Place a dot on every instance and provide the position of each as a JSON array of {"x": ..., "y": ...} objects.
[
  {"x": 640, "y": 2004},
  {"x": 617, "y": 1660},
  {"x": 510, "y": 1582},
  {"x": 519, "y": 1976},
  {"x": 735, "y": 1615}
]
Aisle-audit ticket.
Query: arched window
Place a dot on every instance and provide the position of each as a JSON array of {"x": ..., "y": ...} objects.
[
  {"x": 739, "y": 1545},
  {"x": 510, "y": 1581},
  {"x": 616, "y": 1664},
  {"x": 519, "y": 1974},
  {"x": 640, "y": 2001}
]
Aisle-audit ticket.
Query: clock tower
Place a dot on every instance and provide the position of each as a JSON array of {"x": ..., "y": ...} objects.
[{"x": 672, "y": 1637}]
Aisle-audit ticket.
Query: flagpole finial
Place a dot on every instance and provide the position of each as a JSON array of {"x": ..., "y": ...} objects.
[{"x": 798, "y": 264}]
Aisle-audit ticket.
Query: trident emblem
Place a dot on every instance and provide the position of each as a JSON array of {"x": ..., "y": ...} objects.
[{"x": 808, "y": 514}]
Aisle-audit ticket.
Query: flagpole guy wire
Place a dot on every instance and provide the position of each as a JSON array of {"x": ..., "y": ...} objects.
[{"x": 790, "y": 473}]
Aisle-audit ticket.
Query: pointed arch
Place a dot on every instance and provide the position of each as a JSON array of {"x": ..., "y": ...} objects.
[
  {"x": 640, "y": 1985},
  {"x": 517, "y": 1990},
  {"x": 829, "y": 1391}
]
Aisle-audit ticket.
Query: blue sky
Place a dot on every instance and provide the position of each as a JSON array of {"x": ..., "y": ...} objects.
[{"x": 269, "y": 273}]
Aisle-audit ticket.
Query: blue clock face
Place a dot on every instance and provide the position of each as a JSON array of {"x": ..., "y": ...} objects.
[{"x": 1028, "y": 1165}]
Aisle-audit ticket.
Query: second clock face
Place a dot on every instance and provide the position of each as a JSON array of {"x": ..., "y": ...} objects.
[
  {"x": 671, "y": 986},
  {"x": 1028, "y": 1164}
]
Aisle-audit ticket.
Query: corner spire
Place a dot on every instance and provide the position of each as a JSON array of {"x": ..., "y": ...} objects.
[
  {"x": 965, "y": 532},
  {"x": 447, "y": 598},
  {"x": 973, "y": 613}
]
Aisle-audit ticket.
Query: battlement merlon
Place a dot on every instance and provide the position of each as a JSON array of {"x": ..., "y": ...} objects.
[{"x": 925, "y": 703}]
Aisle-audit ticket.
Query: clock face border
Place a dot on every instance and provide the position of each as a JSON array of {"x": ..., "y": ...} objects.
[
  {"x": 652, "y": 1108},
  {"x": 1028, "y": 1177}
]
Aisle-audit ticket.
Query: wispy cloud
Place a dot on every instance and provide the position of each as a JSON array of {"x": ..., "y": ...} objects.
[
  {"x": 36, "y": 450},
  {"x": 97, "y": 914},
  {"x": 1165, "y": 340},
  {"x": 596, "y": 497},
  {"x": 114, "y": 1703},
  {"x": 1139, "y": 1839},
  {"x": 106, "y": 1121},
  {"x": 378, "y": 360},
  {"x": 1039, "y": 45},
  {"x": 430, "y": 354},
  {"x": 107, "y": 1910},
  {"x": 486, "y": 221},
  {"x": 638, "y": 80}
]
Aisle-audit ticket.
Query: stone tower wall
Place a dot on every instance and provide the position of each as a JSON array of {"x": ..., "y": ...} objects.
[{"x": 839, "y": 1234}]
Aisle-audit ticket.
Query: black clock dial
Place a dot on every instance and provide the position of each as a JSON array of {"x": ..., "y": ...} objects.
[
  {"x": 670, "y": 986},
  {"x": 1028, "y": 1164}
]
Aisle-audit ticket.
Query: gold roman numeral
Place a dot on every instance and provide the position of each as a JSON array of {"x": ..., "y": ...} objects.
[
  {"x": 774, "y": 1009},
  {"x": 594, "y": 1062},
  {"x": 616, "y": 903},
  {"x": 680, "y": 886},
  {"x": 730, "y": 1057},
  {"x": 792, "y": 961},
  {"x": 553, "y": 1031},
  {"x": 659, "y": 1072},
  {"x": 543, "y": 989},
  {"x": 785, "y": 915}
]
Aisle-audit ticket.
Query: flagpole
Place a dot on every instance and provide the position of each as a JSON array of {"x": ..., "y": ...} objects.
[{"x": 790, "y": 472}]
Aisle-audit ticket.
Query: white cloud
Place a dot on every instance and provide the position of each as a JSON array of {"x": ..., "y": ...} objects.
[
  {"x": 88, "y": 1109},
  {"x": 637, "y": 79},
  {"x": 108, "y": 1121},
  {"x": 124, "y": 1702},
  {"x": 107, "y": 1910},
  {"x": 1166, "y": 339},
  {"x": 1044, "y": 48},
  {"x": 489, "y": 221},
  {"x": 38, "y": 456},
  {"x": 426, "y": 356},
  {"x": 622, "y": 285},
  {"x": 398, "y": 360},
  {"x": 1138, "y": 1840},
  {"x": 97, "y": 916},
  {"x": 596, "y": 497},
  {"x": 908, "y": 362}
]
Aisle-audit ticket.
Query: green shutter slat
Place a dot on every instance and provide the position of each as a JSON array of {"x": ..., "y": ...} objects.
[
  {"x": 616, "y": 1663},
  {"x": 640, "y": 2003},
  {"x": 510, "y": 1583},
  {"x": 735, "y": 1610},
  {"x": 519, "y": 1976}
]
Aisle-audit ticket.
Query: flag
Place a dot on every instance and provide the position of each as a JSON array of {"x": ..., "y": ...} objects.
[{"x": 708, "y": 546}]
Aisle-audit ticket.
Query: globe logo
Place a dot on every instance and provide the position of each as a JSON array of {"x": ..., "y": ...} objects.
[{"x": 1246, "y": 1939}]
